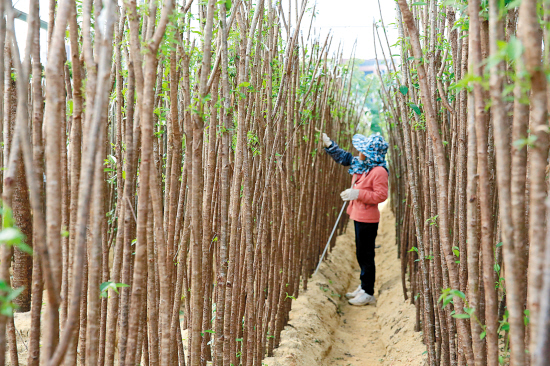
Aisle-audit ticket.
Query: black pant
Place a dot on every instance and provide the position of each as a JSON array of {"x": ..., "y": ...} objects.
[{"x": 365, "y": 236}]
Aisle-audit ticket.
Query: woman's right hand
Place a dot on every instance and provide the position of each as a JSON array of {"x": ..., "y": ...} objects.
[{"x": 326, "y": 140}]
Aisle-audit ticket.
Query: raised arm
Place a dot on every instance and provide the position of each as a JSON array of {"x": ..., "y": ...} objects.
[{"x": 339, "y": 155}]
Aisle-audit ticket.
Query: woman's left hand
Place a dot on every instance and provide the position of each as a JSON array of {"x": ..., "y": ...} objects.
[
  {"x": 350, "y": 194},
  {"x": 327, "y": 142}
]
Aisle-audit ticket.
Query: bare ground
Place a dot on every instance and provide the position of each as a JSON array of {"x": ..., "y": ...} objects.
[{"x": 324, "y": 330}]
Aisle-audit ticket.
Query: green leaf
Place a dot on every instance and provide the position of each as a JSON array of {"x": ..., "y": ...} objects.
[
  {"x": 456, "y": 251},
  {"x": 106, "y": 286},
  {"x": 6, "y": 310},
  {"x": 6, "y": 304},
  {"x": 461, "y": 316},
  {"x": 514, "y": 4},
  {"x": 403, "y": 89},
  {"x": 70, "y": 106},
  {"x": 290, "y": 296},
  {"x": 419, "y": 3},
  {"x": 482, "y": 335},
  {"x": 24, "y": 248},
  {"x": 11, "y": 236},
  {"x": 415, "y": 108},
  {"x": 514, "y": 49},
  {"x": 8, "y": 218},
  {"x": 458, "y": 293},
  {"x": 4, "y": 286},
  {"x": 14, "y": 293},
  {"x": 529, "y": 141},
  {"x": 210, "y": 331}
]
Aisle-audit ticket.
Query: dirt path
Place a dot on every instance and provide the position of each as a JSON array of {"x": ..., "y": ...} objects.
[
  {"x": 357, "y": 339},
  {"x": 325, "y": 331}
]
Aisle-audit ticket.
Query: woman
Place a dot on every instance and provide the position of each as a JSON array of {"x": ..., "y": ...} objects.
[{"x": 369, "y": 188}]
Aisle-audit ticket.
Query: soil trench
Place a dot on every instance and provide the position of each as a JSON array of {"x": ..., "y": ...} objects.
[{"x": 325, "y": 330}]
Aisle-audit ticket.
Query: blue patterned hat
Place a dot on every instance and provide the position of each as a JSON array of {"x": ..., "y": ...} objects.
[
  {"x": 360, "y": 143},
  {"x": 374, "y": 148}
]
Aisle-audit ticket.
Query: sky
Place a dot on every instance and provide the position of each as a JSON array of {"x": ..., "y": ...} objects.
[
  {"x": 347, "y": 20},
  {"x": 351, "y": 20},
  {"x": 21, "y": 26}
]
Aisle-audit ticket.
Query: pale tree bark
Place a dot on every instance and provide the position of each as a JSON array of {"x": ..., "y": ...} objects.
[
  {"x": 221, "y": 276},
  {"x": 53, "y": 133},
  {"x": 463, "y": 334},
  {"x": 87, "y": 172},
  {"x": 531, "y": 38},
  {"x": 197, "y": 194},
  {"x": 38, "y": 166},
  {"x": 542, "y": 350},
  {"x": 503, "y": 159},
  {"x": 485, "y": 199},
  {"x": 145, "y": 86}
]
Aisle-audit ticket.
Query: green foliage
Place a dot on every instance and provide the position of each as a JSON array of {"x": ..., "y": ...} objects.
[
  {"x": 371, "y": 121},
  {"x": 528, "y": 141},
  {"x": 106, "y": 286},
  {"x": 210, "y": 331},
  {"x": 447, "y": 296},
  {"x": 10, "y": 234},
  {"x": 253, "y": 142},
  {"x": 415, "y": 108},
  {"x": 456, "y": 252},
  {"x": 13, "y": 236},
  {"x": 508, "y": 52},
  {"x": 432, "y": 220},
  {"x": 7, "y": 295}
]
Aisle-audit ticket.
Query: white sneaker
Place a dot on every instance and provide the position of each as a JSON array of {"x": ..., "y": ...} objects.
[
  {"x": 351, "y": 295},
  {"x": 362, "y": 298}
]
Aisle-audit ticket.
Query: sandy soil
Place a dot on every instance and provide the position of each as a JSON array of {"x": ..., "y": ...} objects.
[
  {"x": 22, "y": 323},
  {"x": 324, "y": 330}
]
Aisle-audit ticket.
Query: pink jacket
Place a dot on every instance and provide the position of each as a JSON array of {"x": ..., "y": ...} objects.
[{"x": 373, "y": 189}]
